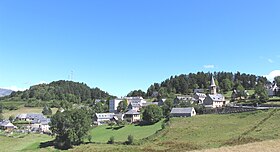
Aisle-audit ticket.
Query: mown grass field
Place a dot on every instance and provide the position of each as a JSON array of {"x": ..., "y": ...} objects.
[
  {"x": 8, "y": 113},
  {"x": 102, "y": 133},
  {"x": 202, "y": 132}
]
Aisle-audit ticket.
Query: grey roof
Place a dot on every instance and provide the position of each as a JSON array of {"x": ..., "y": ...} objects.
[
  {"x": 6, "y": 123},
  {"x": 216, "y": 97},
  {"x": 201, "y": 94},
  {"x": 31, "y": 116},
  {"x": 181, "y": 110},
  {"x": 44, "y": 121},
  {"x": 213, "y": 82},
  {"x": 132, "y": 112}
]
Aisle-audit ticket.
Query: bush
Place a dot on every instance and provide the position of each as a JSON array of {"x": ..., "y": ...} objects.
[
  {"x": 111, "y": 140},
  {"x": 130, "y": 139},
  {"x": 89, "y": 138}
]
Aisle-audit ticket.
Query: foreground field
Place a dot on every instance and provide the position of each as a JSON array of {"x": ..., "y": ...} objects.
[
  {"x": 232, "y": 132},
  {"x": 205, "y": 132}
]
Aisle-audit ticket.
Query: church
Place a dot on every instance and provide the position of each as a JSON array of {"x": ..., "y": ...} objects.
[{"x": 214, "y": 99}]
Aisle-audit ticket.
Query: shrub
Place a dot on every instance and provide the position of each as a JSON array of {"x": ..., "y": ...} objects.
[
  {"x": 130, "y": 139},
  {"x": 111, "y": 140}
]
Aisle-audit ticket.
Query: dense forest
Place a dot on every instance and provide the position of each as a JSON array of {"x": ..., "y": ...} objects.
[
  {"x": 61, "y": 90},
  {"x": 185, "y": 84}
]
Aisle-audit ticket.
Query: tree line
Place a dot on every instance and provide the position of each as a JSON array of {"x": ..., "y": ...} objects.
[{"x": 186, "y": 83}]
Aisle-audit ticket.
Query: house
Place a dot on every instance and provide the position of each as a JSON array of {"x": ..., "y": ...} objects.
[
  {"x": 199, "y": 97},
  {"x": 184, "y": 98},
  {"x": 239, "y": 94},
  {"x": 272, "y": 89},
  {"x": 38, "y": 122},
  {"x": 183, "y": 112},
  {"x": 214, "y": 100},
  {"x": 41, "y": 125},
  {"x": 134, "y": 103},
  {"x": 132, "y": 116},
  {"x": 7, "y": 125},
  {"x": 113, "y": 104},
  {"x": 138, "y": 100},
  {"x": 134, "y": 106},
  {"x": 103, "y": 118}
]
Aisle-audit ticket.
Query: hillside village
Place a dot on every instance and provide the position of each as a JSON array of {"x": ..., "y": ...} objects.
[
  {"x": 132, "y": 112},
  {"x": 133, "y": 109}
]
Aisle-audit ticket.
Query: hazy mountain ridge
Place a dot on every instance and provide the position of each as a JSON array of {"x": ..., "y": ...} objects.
[{"x": 5, "y": 92}]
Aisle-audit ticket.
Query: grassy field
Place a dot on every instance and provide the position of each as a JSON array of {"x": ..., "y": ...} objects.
[
  {"x": 205, "y": 132},
  {"x": 202, "y": 132},
  {"x": 26, "y": 142},
  {"x": 104, "y": 132},
  {"x": 21, "y": 110}
]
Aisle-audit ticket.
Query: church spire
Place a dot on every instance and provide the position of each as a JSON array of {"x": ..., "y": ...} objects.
[
  {"x": 213, "y": 86},
  {"x": 213, "y": 82}
]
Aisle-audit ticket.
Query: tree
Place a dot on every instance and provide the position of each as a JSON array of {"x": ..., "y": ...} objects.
[
  {"x": 111, "y": 140},
  {"x": 226, "y": 85},
  {"x": 1, "y": 107},
  {"x": 89, "y": 137},
  {"x": 69, "y": 127},
  {"x": 122, "y": 106},
  {"x": 277, "y": 80},
  {"x": 12, "y": 118},
  {"x": 261, "y": 93},
  {"x": 152, "y": 114},
  {"x": 1, "y": 117},
  {"x": 47, "y": 110},
  {"x": 166, "y": 108}
]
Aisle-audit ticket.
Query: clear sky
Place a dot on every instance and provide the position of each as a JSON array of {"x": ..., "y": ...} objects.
[{"x": 120, "y": 46}]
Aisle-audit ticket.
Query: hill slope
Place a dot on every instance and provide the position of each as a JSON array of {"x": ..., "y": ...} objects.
[{"x": 206, "y": 132}]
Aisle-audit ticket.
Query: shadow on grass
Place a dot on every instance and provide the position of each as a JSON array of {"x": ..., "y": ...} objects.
[
  {"x": 46, "y": 144},
  {"x": 115, "y": 128}
]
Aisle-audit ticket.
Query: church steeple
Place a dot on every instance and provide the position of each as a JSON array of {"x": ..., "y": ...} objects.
[{"x": 213, "y": 86}]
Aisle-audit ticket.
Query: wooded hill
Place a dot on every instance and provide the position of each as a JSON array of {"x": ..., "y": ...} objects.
[
  {"x": 185, "y": 84},
  {"x": 61, "y": 90}
]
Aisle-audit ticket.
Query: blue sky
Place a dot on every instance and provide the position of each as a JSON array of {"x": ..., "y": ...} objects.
[{"x": 120, "y": 46}]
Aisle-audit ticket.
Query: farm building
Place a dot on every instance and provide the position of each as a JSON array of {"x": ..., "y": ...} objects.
[{"x": 183, "y": 112}]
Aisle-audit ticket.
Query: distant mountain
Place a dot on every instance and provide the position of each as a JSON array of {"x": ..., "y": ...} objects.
[{"x": 5, "y": 92}]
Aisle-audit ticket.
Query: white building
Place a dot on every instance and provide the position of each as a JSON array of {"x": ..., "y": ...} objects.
[
  {"x": 102, "y": 118},
  {"x": 113, "y": 104},
  {"x": 135, "y": 103}
]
